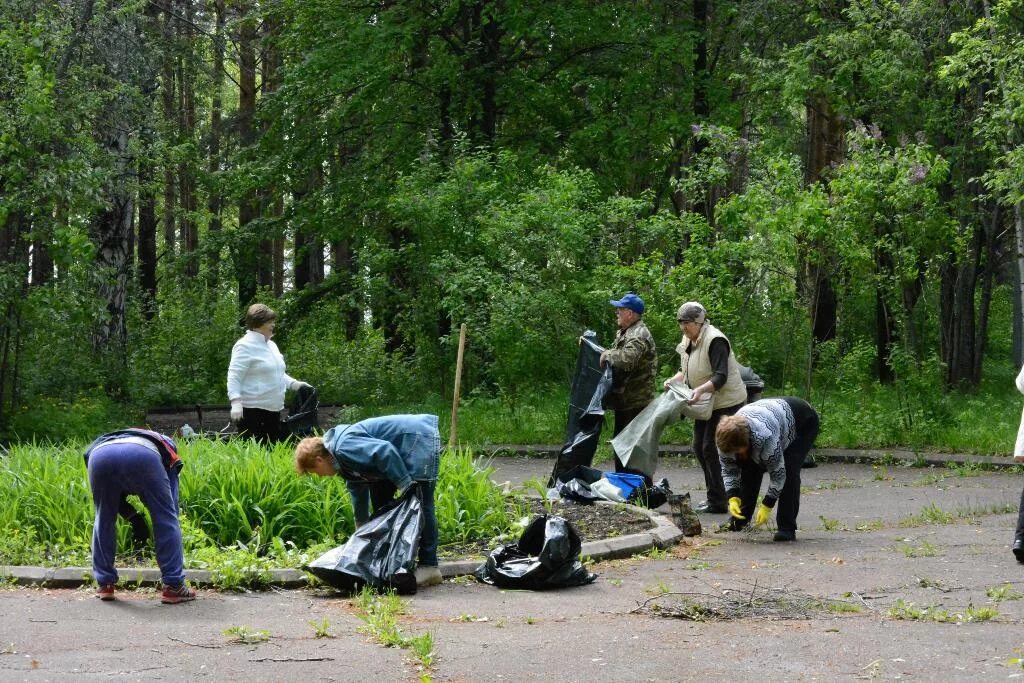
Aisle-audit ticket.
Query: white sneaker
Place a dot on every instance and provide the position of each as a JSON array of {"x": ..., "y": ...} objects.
[{"x": 427, "y": 575}]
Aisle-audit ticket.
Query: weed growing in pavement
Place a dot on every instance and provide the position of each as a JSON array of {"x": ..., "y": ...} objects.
[
  {"x": 380, "y": 612},
  {"x": 907, "y": 611},
  {"x": 966, "y": 469},
  {"x": 929, "y": 479},
  {"x": 873, "y": 525},
  {"x": 973, "y": 613},
  {"x": 659, "y": 588},
  {"x": 699, "y": 566},
  {"x": 531, "y": 620},
  {"x": 836, "y": 484},
  {"x": 926, "y": 549},
  {"x": 615, "y": 582},
  {"x": 929, "y": 514},
  {"x": 1014, "y": 661},
  {"x": 981, "y": 511},
  {"x": 1001, "y": 593},
  {"x": 889, "y": 460},
  {"x": 829, "y": 524},
  {"x": 840, "y": 607},
  {"x": 322, "y": 628},
  {"x": 247, "y": 635},
  {"x": 655, "y": 553},
  {"x": 881, "y": 473}
]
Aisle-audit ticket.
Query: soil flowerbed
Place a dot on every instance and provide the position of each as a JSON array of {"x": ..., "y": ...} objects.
[{"x": 592, "y": 522}]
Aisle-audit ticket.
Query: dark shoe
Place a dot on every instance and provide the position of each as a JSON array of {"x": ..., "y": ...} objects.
[
  {"x": 105, "y": 592},
  {"x": 781, "y": 535},
  {"x": 711, "y": 509},
  {"x": 172, "y": 595},
  {"x": 1018, "y": 549},
  {"x": 809, "y": 462}
]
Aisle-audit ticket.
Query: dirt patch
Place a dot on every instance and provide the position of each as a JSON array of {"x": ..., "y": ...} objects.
[{"x": 592, "y": 522}]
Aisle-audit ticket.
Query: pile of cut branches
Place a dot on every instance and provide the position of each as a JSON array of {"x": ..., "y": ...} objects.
[{"x": 740, "y": 603}]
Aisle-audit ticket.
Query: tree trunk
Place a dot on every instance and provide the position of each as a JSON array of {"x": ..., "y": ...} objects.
[
  {"x": 958, "y": 334},
  {"x": 42, "y": 263},
  {"x": 186, "y": 130},
  {"x": 215, "y": 202},
  {"x": 247, "y": 260},
  {"x": 112, "y": 230},
  {"x": 13, "y": 255},
  {"x": 167, "y": 93},
  {"x": 343, "y": 267},
  {"x": 272, "y": 204}
]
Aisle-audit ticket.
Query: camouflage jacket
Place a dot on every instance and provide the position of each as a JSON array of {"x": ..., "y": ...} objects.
[{"x": 634, "y": 362}]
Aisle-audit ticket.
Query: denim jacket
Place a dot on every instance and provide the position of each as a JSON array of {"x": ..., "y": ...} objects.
[{"x": 400, "y": 448}]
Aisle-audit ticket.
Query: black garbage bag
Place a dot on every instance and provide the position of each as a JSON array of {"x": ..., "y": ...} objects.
[
  {"x": 381, "y": 553},
  {"x": 650, "y": 496},
  {"x": 303, "y": 414},
  {"x": 575, "y": 484},
  {"x": 753, "y": 383},
  {"x": 547, "y": 555},
  {"x": 590, "y": 383}
]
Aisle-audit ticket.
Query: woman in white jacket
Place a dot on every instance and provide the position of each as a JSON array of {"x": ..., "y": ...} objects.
[
  {"x": 257, "y": 380},
  {"x": 1018, "y": 456}
]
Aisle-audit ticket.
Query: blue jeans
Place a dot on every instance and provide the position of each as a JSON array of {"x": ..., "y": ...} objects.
[
  {"x": 380, "y": 493},
  {"x": 122, "y": 468}
]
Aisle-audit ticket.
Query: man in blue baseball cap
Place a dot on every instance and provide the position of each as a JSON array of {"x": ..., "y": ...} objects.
[{"x": 634, "y": 362}]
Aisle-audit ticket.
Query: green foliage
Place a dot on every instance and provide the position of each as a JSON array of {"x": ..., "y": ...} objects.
[
  {"x": 180, "y": 357},
  {"x": 244, "y": 510},
  {"x": 55, "y": 420}
]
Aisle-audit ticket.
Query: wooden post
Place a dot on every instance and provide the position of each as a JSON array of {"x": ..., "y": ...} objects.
[{"x": 458, "y": 386}]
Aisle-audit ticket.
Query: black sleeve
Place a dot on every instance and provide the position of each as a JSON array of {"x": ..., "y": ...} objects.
[{"x": 718, "y": 354}]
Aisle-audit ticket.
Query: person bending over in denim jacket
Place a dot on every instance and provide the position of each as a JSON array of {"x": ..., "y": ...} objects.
[{"x": 377, "y": 458}]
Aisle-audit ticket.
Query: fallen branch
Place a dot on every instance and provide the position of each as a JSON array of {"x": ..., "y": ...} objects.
[
  {"x": 185, "y": 642},
  {"x": 293, "y": 659}
]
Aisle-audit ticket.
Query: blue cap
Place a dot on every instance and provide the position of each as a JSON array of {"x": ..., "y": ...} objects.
[{"x": 630, "y": 301}]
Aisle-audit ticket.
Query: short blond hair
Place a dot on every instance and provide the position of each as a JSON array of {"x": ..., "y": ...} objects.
[
  {"x": 306, "y": 453},
  {"x": 732, "y": 434}
]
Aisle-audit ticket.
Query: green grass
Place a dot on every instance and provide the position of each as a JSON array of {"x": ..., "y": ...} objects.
[
  {"x": 908, "y": 611},
  {"x": 244, "y": 510},
  {"x": 380, "y": 612},
  {"x": 926, "y": 549}
]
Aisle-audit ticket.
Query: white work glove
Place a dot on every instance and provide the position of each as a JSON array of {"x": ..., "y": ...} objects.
[
  {"x": 236, "y": 411},
  {"x": 298, "y": 384}
]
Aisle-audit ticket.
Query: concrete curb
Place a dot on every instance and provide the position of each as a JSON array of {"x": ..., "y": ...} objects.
[
  {"x": 663, "y": 534},
  {"x": 849, "y": 455}
]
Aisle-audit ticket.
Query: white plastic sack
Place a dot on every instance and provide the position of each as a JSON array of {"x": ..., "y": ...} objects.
[{"x": 607, "y": 490}]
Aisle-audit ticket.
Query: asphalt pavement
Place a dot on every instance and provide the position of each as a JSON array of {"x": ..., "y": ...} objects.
[{"x": 916, "y": 560}]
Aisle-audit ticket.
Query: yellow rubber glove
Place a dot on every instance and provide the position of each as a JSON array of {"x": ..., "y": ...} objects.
[
  {"x": 735, "y": 508},
  {"x": 762, "y": 514}
]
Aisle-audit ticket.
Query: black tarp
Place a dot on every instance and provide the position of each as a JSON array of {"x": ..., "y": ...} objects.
[{"x": 590, "y": 383}]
